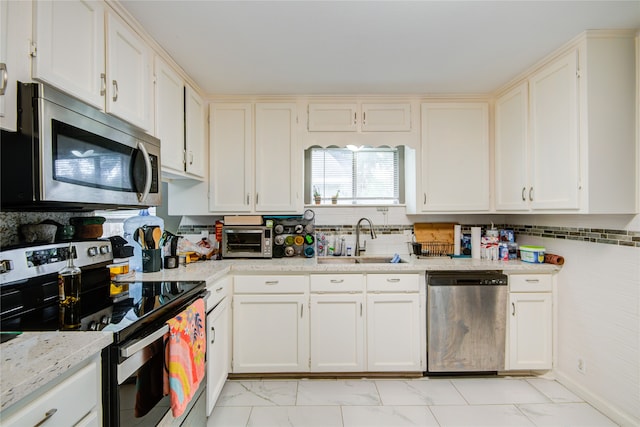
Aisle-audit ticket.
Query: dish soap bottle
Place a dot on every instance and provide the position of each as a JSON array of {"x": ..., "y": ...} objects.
[{"x": 69, "y": 284}]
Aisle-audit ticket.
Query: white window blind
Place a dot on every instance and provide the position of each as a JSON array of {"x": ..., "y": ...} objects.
[{"x": 365, "y": 176}]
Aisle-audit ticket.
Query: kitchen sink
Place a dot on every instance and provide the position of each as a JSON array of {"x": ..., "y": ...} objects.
[{"x": 357, "y": 260}]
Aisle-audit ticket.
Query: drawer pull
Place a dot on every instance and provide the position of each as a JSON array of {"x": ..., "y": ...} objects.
[
  {"x": 213, "y": 330},
  {"x": 271, "y": 282},
  {"x": 47, "y": 415},
  {"x": 513, "y": 309},
  {"x": 393, "y": 280},
  {"x": 219, "y": 289},
  {"x": 337, "y": 280},
  {"x": 532, "y": 280}
]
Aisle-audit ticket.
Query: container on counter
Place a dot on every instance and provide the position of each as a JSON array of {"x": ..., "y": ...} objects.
[
  {"x": 533, "y": 254},
  {"x": 130, "y": 226}
]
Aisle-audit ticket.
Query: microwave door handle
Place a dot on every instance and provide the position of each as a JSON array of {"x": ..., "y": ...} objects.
[{"x": 147, "y": 161}]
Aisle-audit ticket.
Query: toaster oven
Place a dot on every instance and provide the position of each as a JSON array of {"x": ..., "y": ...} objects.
[{"x": 242, "y": 241}]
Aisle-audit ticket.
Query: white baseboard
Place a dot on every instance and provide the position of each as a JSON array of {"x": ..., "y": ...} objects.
[{"x": 616, "y": 414}]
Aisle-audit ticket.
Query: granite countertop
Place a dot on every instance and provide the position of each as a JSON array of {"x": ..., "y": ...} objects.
[
  {"x": 33, "y": 359},
  {"x": 213, "y": 270}
]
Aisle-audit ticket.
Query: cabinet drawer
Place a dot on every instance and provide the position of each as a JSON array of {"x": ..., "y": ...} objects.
[
  {"x": 271, "y": 284},
  {"x": 393, "y": 283},
  {"x": 530, "y": 283},
  {"x": 67, "y": 403},
  {"x": 337, "y": 283},
  {"x": 219, "y": 289}
]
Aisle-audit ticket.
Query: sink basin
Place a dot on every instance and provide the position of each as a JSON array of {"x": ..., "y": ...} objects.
[{"x": 357, "y": 260}]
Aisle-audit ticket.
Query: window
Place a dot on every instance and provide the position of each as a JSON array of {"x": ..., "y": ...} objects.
[{"x": 358, "y": 175}]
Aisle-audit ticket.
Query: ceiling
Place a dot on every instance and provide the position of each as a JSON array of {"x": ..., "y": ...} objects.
[{"x": 367, "y": 47}]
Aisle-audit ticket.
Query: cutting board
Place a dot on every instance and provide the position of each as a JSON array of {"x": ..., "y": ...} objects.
[{"x": 426, "y": 232}]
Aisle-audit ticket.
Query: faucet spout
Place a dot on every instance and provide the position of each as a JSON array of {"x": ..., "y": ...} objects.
[{"x": 373, "y": 234}]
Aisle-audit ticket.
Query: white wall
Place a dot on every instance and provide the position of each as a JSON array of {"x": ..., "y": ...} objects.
[{"x": 598, "y": 314}]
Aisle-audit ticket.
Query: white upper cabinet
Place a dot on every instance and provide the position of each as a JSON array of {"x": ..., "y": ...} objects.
[
  {"x": 129, "y": 74},
  {"x": 554, "y": 136},
  {"x": 15, "y": 64},
  {"x": 511, "y": 165},
  {"x": 264, "y": 176},
  {"x": 106, "y": 65},
  {"x": 69, "y": 38},
  {"x": 365, "y": 117},
  {"x": 278, "y": 159},
  {"x": 231, "y": 157},
  {"x": 195, "y": 133},
  {"x": 169, "y": 104},
  {"x": 454, "y": 167},
  {"x": 571, "y": 146}
]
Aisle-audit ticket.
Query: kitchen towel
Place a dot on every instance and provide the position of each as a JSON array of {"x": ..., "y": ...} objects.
[
  {"x": 185, "y": 350},
  {"x": 475, "y": 242}
]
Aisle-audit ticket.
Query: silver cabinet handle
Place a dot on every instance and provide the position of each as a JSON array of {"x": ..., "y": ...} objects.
[
  {"x": 513, "y": 308},
  {"x": 523, "y": 191},
  {"x": 190, "y": 157},
  {"x": 103, "y": 84},
  {"x": 393, "y": 280},
  {"x": 301, "y": 310},
  {"x": 354, "y": 118},
  {"x": 532, "y": 280},
  {"x": 364, "y": 118},
  {"x": 247, "y": 198},
  {"x": 271, "y": 282},
  {"x": 219, "y": 289},
  {"x": 213, "y": 340},
  {"x": 337, "y": 280},
  {"x": 360, "y": 309},
  {"x": 47, "y": 415},
  {"x": 115, "y": 90},
  {"x": 257, "y": 198},
  {"x": 147, "y": 162},
  {"x": 531, "y": 194},
  {"x": 5, "y": 77},
  {"x": 425, "y": 198}
]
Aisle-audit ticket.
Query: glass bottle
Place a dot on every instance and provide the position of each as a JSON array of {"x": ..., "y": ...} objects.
[{"x": 69, "y": 279}]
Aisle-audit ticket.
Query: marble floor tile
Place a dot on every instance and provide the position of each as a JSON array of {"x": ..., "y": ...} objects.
[
  {"x": 298, "y": 416},
  {"x": 258, "y": 393},
  {"x": 337, "y": 392},
  {"x": 496, "y": 391},
  {"x": 556, "y": 392},
  {"x": 480, "y": 415},
  {"x": 565, "y": 414},
  {"x": 430, "y": 392},
  {"x": 229, "y": 416},
  {"x": 387, "y": 416}
]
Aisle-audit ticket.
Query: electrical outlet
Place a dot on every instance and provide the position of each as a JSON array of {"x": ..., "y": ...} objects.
[{"x": 582, "y": 366}]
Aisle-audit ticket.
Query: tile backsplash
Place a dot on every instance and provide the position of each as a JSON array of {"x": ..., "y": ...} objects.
[{"x": 10, "y": 223}]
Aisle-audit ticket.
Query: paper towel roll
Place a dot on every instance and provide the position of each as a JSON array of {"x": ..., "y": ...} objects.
[
  {"x": 457, "y": 231},
  {"x": 476, "y": 232}
]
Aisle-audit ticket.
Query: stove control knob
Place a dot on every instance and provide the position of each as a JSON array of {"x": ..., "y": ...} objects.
[
  {"x": 6, "y": 265},
  {"x": 104, "y": 249},
  {"x": 93, "y": 326},
  {"x": 92, "y": 251},
  {"x": 104, "y": 320}
]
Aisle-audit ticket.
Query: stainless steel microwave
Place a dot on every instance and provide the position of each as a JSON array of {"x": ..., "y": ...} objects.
[
  {"x": 242, "y": 241},
  {"x": 69, "y": 155}
]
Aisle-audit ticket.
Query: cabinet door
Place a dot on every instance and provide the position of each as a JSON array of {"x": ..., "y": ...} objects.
[
  {"x": 129, "y": 74},
  {"x": 337, "y": 332},
  {"x": 554, "y": 136},
  {"x": 195, "y": 133},
  {"x": 69, "y": 36},
  {"x": 393, "y": 332},
  {"x": 511, "y": 168},
  {"x": 530, "y": 331},
  {"x": 386, "y": 117},
  {"x": 278, "y": 160},
  {"x": 270, "y": 333},
  {"x": 333, "y": 117},
  {"x": 217, "y": 352},
  {"x": 455, "y": 157},
  {"x": 231, "y": 158},
  {"x": 169, "y": 104}
]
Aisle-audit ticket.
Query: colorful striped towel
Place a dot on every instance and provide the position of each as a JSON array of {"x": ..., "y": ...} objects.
[{"x": 185, "y": 349}]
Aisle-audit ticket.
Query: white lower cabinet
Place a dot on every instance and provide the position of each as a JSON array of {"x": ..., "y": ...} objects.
[
  {"x": 393, "y": 323},
  {"x": 270, "y": 324},
  {"x": 218, "y": 341},
  {"x": 77, "y": 400},
  {"x": 337, "y": 318},
  {"x": 530, "y": 325}
]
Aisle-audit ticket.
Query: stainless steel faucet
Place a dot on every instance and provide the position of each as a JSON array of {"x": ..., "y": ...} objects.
[{"x": 373, "y": 235}]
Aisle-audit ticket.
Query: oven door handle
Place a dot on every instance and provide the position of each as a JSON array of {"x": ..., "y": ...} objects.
[{"x": 143, "y": 342}]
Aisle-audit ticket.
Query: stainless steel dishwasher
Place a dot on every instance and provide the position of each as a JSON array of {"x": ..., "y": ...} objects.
[{"x": 466, "y": 321}]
